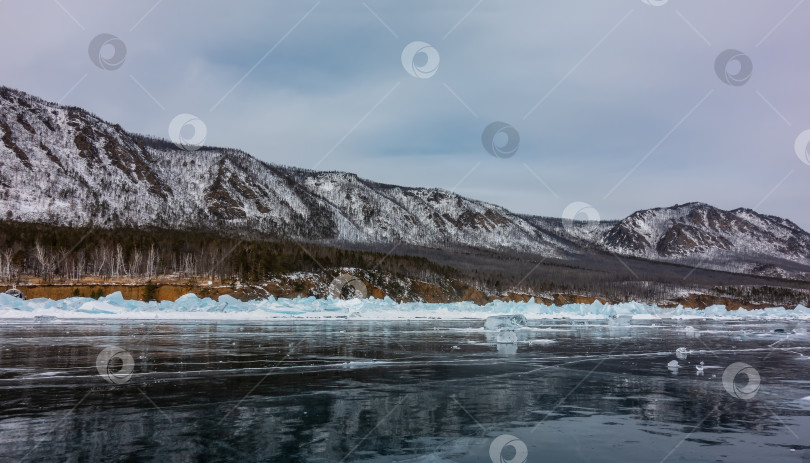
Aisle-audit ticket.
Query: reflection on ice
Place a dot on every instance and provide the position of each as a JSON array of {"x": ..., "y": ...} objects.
[
  {"x": 507, "y": 337},
  {"x": 507, "y": 348}
]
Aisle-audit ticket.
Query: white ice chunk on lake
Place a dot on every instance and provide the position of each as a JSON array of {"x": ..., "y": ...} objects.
[
  {"x": 681, "y": 353},
  {"x": 500, "y": 322},
  {"x": 673, "y": 367}
]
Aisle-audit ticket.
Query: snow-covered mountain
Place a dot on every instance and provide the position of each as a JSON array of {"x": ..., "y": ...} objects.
[
  {"x": 700, "y": 231},
  {"x": 63, "y": 165}
]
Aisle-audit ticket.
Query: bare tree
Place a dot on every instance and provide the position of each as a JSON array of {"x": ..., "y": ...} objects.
[
  {"x": 45, "y": 260},
  {"x": 151, "y": 262},
  {"x": 99, "y": 259},
  {"x": 78, "y": 265},
  {"x": 5, "y": 258},
  {"x": 189, "y": 264},
  {"x": 118, "y": 259},
  {"x": 135, "y": 263}
]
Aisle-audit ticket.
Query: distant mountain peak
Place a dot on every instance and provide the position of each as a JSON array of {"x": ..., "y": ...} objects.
[{"x": 698, "y": 229}]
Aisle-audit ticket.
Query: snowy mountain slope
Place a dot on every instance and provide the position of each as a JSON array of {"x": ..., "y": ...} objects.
[
  {"x": 63, "y": 165},
  {"x": 388, "y": 213}
]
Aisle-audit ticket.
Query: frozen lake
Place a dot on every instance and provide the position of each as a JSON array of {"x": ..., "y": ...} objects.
[{"x": 417, "y": 391}]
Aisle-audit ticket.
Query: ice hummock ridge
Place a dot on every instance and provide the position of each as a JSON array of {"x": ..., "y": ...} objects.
[{"x": 192, "y": 307}]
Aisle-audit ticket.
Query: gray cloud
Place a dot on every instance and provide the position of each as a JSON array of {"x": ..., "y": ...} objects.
[{"x": 616, "y": 79}]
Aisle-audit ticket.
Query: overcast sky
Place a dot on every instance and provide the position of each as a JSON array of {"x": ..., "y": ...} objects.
[{"x": 619, "y": 104}]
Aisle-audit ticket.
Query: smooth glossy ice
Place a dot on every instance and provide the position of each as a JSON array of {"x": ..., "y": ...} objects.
[{"x": 348, "y": 390}]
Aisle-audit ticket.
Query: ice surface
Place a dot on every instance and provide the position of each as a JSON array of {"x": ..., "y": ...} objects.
[
  {"x": 330, "y": 381},
  {"x": 499, "y": 322},
  {"x": 514, "y": 314},
  {"x": 620, "y": 320}
]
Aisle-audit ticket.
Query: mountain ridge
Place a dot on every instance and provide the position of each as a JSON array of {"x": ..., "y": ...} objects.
[{"x": 63, "y": 165}]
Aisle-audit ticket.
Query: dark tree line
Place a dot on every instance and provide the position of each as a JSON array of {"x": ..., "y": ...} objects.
[
  {"x": 69, "y": 254},
  {"x": 63, "y": 254}
]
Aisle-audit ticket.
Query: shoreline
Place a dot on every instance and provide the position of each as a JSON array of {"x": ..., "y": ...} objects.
[
  {"x": 225, "y": 307},
  {"x": 171, "y": 290}
]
